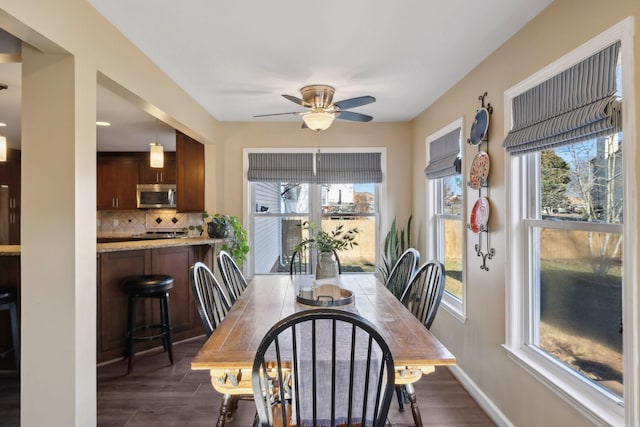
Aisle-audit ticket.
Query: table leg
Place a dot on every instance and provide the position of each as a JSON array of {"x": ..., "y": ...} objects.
[
  {"x": 225, "y": 408},
  {"x": 411, "y": 392}
]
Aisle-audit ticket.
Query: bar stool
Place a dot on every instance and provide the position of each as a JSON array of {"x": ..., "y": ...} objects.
[
  {"x": 148, "y": 286},
  {"x": 8, "y": 301}
]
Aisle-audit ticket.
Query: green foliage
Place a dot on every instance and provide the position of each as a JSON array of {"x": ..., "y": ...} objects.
[
  {"x": 395, "y": 243},
  {"x": 337, "y": 239},
  {"x": 237, "y": 245},
  {"x": 555, "y": 177}
]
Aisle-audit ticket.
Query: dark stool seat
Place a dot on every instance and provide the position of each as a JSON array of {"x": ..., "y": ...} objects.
[
  {"x": 148, "y": 286},
  {"x": 8, "y": 301}
]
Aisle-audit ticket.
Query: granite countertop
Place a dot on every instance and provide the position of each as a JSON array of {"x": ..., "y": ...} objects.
[
  {"x": 132, "y": 246},
  {"x": 155, "y": 243},
  {"x": 9, "y": 249}
]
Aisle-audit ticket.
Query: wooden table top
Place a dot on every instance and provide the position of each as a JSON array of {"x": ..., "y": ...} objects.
[{"x": 270, "y": 298}]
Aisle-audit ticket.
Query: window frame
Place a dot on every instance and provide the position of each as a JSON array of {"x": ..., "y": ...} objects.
[
  {"x": 435, "y": 246},
  {"x": 314, "y": 194},
  {"x": 593, "y": 402}
]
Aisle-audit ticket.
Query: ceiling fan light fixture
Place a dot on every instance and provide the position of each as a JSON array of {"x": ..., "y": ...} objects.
[{"x": 318, "y": 120}]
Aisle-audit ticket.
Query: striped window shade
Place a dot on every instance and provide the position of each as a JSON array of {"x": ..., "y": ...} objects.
[
  {"x": 576, "y": 105},
  {"x": 331, "y": 168},
  {"x": 344, "y": 168},
  {"x": 281, "y": 167},
  {"x": 444, "y": 156}
]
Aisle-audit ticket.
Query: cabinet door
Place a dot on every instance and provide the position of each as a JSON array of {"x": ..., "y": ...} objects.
[
  {"x": 112, "y": 301},
  {"x": 165, "y": 175},
  {"x": 117, "y": 179},
  {"x": 107, "y": 184},
  {"x": 190, "y": 171},
  {"x": 127, "y": 173},
  {"x": 175, "y": 262}
]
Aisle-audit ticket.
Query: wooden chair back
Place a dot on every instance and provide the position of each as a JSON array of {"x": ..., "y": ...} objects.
[
  {"x": 323, "y": 367},
  {"x": 232, "y": 277},
  {"x": 402, "y": 272},
  {"x": 211, "y": 302},
  {"x": 424, "y": 292}
]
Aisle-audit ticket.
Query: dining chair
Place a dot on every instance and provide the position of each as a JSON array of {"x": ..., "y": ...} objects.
[
  {"x": 323, "y": 367},
  {"x": 232, "y": 277},
  {"x": 211, "y": 302},
  {"x": 402, "y": 272},
  {"x": 212, "y": 305},
  {"x": 300, "y": 265},
  {"x": 422, "y": 298}
]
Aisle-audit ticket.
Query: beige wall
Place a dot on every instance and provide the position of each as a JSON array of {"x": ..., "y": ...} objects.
[{"x": 562, "y": 27}]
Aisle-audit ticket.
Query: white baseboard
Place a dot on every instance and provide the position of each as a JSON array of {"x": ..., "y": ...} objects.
[{"x": 480, "y": 397}]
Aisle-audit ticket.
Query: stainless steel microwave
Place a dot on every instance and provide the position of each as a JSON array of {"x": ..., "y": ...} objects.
[{"x": 156, "y": 196}]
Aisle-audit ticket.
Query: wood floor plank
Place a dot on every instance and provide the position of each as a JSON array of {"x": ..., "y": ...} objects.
[{"x": 159, "y": 394}]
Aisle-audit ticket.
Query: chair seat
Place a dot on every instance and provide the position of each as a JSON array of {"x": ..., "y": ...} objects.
[{"x": 147, "y": 284}]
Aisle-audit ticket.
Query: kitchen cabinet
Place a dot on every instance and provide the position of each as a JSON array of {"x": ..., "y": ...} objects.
[
  {"x": 10, "y": 277},
  {"x": 190, "y": 174},
  {"x": 164, "y": 175},
  {"x": 117, "y": 180},
  {"x": 113, "y": 267},
  {"x": 10, "y": 177}
]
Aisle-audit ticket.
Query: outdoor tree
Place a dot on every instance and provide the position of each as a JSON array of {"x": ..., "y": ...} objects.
[
  {"x": 596, "y": 176},
  {"x": 556, "y": 174}
]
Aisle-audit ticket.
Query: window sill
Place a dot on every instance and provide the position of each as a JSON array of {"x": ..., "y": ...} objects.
[
  {"x": 454, "y": 307},
  {"x": 597, "y": 406}
]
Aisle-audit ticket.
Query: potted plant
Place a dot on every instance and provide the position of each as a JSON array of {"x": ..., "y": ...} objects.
[
  {"x": 228, "y": 227},
  {"x": 326, "y": 243},
  {"x": 394, "y": 246}
]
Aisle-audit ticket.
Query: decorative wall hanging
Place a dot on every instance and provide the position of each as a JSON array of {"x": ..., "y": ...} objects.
[{"x": 478, "y": 180}]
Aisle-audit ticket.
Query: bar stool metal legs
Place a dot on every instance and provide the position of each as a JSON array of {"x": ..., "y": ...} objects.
[
  {"x": 138, "y": 288},
  {"x": 8, "y": 301}
]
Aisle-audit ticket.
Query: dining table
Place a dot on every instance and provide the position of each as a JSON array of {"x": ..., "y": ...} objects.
[{"x": 229, "y": 352}]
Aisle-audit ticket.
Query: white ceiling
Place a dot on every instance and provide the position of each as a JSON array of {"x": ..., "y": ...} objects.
[{"x": 237, "y": 58}]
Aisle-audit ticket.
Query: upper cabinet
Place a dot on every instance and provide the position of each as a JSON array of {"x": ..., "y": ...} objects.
[
  {"x": 190, "y": 174},
  {"x": 165, "y": 175},
  {"x": 10, "y": 177},
  {"x": 117, "y": 180}
]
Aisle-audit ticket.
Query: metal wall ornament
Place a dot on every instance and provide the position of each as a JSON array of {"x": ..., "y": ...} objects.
[{"x": 479, "y": 180}]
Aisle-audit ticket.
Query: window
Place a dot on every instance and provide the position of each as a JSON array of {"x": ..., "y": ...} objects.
[
  {"x": 326, "y": 188},
  {"x": 445, "y": 207},
  {"x": 568, "y": 272}
]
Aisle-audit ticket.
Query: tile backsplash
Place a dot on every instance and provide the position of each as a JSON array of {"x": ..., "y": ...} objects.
[{"x": 142, "y": 221}]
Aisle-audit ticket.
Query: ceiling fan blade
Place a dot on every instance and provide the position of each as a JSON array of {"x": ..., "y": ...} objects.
[
  {"x": 297, "y": 100},
  {"x": 346, "y": 104},
  {"x": 356, "y": 117},
  {"x": 297, "y": 113}
]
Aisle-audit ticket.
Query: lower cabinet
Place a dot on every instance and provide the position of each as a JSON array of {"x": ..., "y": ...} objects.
[{"x": 113, "y": 267}]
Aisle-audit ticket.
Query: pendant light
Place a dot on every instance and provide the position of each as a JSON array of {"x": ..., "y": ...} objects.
[
  {"x": 3, "y": 148},
  {"x": 3, "y": 139},
  {"x": 156, "y": 152}
]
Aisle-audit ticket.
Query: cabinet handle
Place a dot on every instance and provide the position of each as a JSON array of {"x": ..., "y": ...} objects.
[
  {"x": 161, "y": 177},
  {"x": 113, "y": 202},
  {"x": 117, "y": 202}
]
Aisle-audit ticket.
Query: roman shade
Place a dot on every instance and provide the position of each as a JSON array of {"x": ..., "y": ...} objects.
[
  {"x": 281, "y": 167},
  {"x": 344, "y": 168},
  {"x": 576, "y": 105},
  {"x": 331, "y": 168},
  {"x": 444, "y": 156}
]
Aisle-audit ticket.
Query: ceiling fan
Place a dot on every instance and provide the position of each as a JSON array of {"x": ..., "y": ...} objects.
[{"x": 322, "y": 110}]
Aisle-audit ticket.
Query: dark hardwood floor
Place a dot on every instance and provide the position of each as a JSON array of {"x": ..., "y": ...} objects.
[{"x": 158, "y": 394}]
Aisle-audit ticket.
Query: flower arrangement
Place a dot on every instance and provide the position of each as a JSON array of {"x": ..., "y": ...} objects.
[{"x": 335, "y": 240}]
